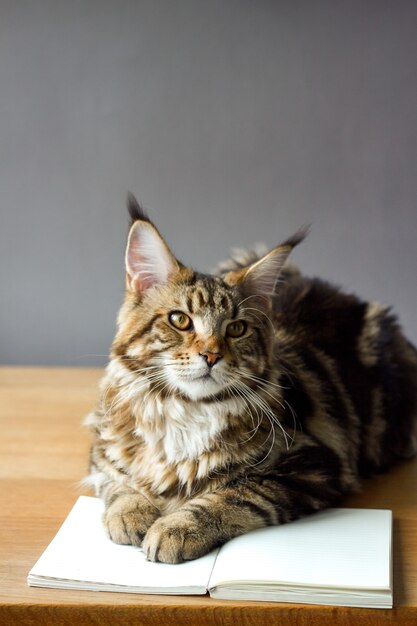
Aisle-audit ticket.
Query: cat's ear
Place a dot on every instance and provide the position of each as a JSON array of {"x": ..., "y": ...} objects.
[
  {"x": 262, "y": 276},
  {"x": 149, "y": 261}
]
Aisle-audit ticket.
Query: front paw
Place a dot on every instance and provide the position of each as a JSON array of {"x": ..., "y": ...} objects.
[
  {"x": 176, "y": 538},
  {"x": 128, "y": 518}
]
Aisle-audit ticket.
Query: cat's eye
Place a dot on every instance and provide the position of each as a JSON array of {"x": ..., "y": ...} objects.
[
  {"x": 236, "y": 329},
  {"x": 180, "y": 320}
]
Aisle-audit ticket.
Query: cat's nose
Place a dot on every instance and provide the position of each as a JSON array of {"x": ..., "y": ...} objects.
[{"x": 211, "y": 358}]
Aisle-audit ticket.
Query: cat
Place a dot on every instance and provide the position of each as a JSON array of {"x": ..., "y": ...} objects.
[{"x": 242, "y": 399}]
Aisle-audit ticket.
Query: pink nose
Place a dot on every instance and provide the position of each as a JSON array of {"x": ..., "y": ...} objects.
[{"x": 211, "y": 358}]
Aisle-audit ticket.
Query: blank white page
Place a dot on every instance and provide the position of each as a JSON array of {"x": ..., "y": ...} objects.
[
  {"x": 81, "y": 551},
  {"x": 336, "y": 548}
]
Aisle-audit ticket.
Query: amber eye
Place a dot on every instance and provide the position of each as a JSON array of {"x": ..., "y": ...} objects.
[
  {"x": 180, "y": 320},
  {"x": 236, "y": 329}
]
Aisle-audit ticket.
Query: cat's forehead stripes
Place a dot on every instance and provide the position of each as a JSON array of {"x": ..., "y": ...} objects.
[{"x": 210, "y": 293}]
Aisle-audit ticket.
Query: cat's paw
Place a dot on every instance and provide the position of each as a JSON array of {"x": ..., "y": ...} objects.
[
  {"x": 128, "y": 518},
  {"x": 176, "y": 538}
]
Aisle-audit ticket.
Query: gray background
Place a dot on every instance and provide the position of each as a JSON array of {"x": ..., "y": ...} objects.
[{"x": 234, "y": 121}]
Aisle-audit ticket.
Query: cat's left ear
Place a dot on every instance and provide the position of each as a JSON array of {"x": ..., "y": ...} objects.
[
  {"x": 149, "y": 261},
  {"x": 262, "y": 276}
]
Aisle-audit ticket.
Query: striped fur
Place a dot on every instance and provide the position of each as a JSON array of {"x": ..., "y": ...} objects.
[{"x": 199, "y": 436}]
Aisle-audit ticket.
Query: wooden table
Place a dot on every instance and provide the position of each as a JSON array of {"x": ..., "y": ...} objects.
[{"x": 43, "y": 455}]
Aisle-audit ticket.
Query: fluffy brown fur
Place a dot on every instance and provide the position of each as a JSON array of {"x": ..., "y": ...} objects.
[{"x": 240, "y": 400}]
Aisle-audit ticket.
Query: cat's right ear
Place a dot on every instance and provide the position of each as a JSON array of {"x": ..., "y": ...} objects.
[
  {"x": 149, "y": 261},
  {"x": 261, "y": 277}
]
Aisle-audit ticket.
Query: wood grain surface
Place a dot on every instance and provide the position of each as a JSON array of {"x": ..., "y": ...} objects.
[{"x": 43, "y": 456}]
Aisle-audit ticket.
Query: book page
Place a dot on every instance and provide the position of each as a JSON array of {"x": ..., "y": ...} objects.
[
  {"x": 81, "y": 551},
  {"x": 333, "y": 549}
]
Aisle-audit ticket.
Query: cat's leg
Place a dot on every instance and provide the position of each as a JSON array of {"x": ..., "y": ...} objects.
[
  {"x": 201, "y": 525},
  {"x": 302, "y": 484},
  {"x": 128, "y": 515}
]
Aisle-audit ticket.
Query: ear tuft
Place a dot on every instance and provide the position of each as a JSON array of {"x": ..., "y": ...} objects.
[
  {"x": 297, "y": 237},
  {"x": 136, "y": 210}
]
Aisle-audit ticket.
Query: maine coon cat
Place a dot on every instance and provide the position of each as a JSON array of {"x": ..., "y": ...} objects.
[{"x": 242, "y": 399}]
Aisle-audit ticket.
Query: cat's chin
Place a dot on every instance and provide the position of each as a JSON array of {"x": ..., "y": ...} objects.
[{"x": 199, "y": 388}]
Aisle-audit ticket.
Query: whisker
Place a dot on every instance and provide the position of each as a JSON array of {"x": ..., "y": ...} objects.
[
  {"x": 262, "y": 313},
  {"x": 263, "y": 405}
]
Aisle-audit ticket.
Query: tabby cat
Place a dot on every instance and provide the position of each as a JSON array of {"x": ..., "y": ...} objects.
[{"x": 241, "y": 399}]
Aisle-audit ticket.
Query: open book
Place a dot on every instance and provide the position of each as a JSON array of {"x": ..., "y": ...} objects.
[{"x": 336, "y": 557}]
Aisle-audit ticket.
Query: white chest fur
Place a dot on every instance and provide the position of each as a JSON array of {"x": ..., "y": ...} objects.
[{"x": 184, "y": 430}]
